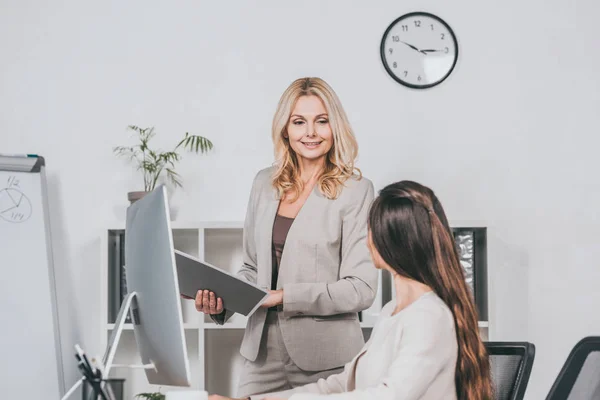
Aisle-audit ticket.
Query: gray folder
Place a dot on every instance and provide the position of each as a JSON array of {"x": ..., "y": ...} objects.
[{"x": 238, "y": 295}]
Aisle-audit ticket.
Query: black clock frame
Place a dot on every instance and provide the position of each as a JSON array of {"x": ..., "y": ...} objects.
[{"x": 409, "y": 15}]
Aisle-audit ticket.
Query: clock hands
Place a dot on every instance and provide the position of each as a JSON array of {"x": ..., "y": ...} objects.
[
  {"x": 411, "y": 46},
  {"x": 424, "y": 51}
]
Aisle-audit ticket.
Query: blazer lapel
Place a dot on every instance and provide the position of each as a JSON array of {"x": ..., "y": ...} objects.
[{"x": 267, "y": 242}]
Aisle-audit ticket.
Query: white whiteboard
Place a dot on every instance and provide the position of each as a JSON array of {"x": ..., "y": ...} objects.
[{"x": 31, "y": 364}]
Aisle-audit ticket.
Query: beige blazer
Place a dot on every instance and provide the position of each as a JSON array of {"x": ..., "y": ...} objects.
[
  {"x": 326, "y": 272},
  {"x": 409, "y": 356}
]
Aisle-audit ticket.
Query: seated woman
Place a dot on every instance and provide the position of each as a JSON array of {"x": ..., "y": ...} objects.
[{"x": 426, "y": 343}]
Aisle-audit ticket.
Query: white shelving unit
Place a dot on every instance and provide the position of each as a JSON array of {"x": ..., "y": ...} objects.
[{"x": 213, "y": 349}]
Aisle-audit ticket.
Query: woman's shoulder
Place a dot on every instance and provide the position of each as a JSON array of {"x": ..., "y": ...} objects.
[
  {"x": 429, "y": 314},
  {"x": 358, "y": 189},
  {"x": 263, "y": 177},
  {"x": 428, "y": 321},
  {"x": 265, "y": 173},
  {"x": 427, "y": 308},
  {"x": 358, "y": 182}
]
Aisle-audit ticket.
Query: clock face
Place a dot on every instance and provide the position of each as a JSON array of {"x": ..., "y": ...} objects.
[{"x": 419, "y": 50}]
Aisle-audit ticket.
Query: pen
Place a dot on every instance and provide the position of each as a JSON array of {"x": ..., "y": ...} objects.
[
  {"x": 87, "y": 362},
  {"x": 89, "y": 372},
  {"x": 81, "y": 365}
]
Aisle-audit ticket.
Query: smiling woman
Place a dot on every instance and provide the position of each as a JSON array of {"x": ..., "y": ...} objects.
[
  {"x": 311, "y": 117},
  {"x": 305, "y": 239}
]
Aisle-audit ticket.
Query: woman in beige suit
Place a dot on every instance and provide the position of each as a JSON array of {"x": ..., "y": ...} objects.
[
  {"x": 305, "y": 238},
  {"x": 426, "y": 343}
]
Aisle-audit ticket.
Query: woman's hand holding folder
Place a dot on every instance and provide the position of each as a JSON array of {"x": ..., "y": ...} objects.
[{"x": 207, "y": 302}]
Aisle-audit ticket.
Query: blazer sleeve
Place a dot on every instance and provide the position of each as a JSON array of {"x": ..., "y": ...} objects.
[
  {"x": 248, "y": 270},
  {"x": 421, "y": 355},
  {"x": 355, "y": 290}
]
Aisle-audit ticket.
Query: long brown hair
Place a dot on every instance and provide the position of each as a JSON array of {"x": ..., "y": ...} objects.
[{"x": 411, "y": 233}]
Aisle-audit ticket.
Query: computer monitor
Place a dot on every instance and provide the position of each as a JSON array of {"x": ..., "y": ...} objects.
[
  {"x": 151, "y": 276},
  {"x": 153, "y": 296}
]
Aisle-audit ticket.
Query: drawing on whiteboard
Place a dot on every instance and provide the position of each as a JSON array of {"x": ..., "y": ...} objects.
[{"x": 14, "y": 205}]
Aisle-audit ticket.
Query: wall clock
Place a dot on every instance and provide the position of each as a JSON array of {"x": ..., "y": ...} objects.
[{"x": 419, "y": 50}]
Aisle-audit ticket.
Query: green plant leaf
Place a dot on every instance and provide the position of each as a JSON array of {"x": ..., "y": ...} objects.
[
  {"x": 151, "y": 396},
  {"x": 195, "y": 143},
  {"x": 153, "y": 162},
  {"x": 149, "y": 166},
  {"x": 123, "y": 150},
  {"x": 170, "y": 157},
  {"x": 135, "y": 128}
]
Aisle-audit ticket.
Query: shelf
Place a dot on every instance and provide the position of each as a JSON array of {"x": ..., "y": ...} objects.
[
  {"x": 228, "y": 325},
  {"x": 129, "y": 327},
  {"x": 483, "y": 324},
  {"x": 189, "y": 225}
]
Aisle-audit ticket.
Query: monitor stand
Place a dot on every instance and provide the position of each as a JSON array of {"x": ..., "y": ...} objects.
[{"x": 129, "y": 305}]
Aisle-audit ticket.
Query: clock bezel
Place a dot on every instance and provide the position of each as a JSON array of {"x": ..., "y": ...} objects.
[{"x": 388, "y": 68}]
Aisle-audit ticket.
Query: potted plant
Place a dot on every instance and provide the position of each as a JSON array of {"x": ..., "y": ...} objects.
[
  {"x": 153, "y": 163},
  {"x": 151, "y": 396}
]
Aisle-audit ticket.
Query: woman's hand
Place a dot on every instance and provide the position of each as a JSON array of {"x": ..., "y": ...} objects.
[
  {"x": 207, "y": 302},
  {"x": 275, "y": 298}
]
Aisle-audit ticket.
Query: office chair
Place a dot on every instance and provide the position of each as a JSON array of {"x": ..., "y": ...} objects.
[
  {"x": 579, "y": 378},
  {"x": 510, "y": 364}
]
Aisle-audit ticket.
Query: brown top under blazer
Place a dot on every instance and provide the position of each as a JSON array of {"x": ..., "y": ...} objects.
[{"x": 326, "y": 272}]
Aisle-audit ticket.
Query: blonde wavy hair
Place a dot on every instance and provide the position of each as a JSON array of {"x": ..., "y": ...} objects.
[{"x": 339, "y": 162}]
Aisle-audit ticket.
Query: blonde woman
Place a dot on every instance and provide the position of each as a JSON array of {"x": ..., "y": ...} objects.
[{"x": 305, "y": 239}]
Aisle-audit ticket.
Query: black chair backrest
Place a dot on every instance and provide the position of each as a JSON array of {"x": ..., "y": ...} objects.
[
  {"x": 579, "y": 378},
  {"x": 510, "y": 364}
]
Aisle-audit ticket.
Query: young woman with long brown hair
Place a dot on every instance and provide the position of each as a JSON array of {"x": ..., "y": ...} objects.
[{"x": 426, "y": 344}]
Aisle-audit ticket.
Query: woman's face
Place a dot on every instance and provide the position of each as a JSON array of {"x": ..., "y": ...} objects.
[{"x": 308, "y": 129}]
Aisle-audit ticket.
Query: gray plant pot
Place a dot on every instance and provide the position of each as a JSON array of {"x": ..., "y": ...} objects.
[{"x": 135, "y": 196}]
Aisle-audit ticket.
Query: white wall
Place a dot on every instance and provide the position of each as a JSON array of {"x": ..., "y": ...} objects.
[{"x": 509, "y": 139}]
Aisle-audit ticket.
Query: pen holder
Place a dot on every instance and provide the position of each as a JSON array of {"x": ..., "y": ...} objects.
[{"x": 112, "y": 386}]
